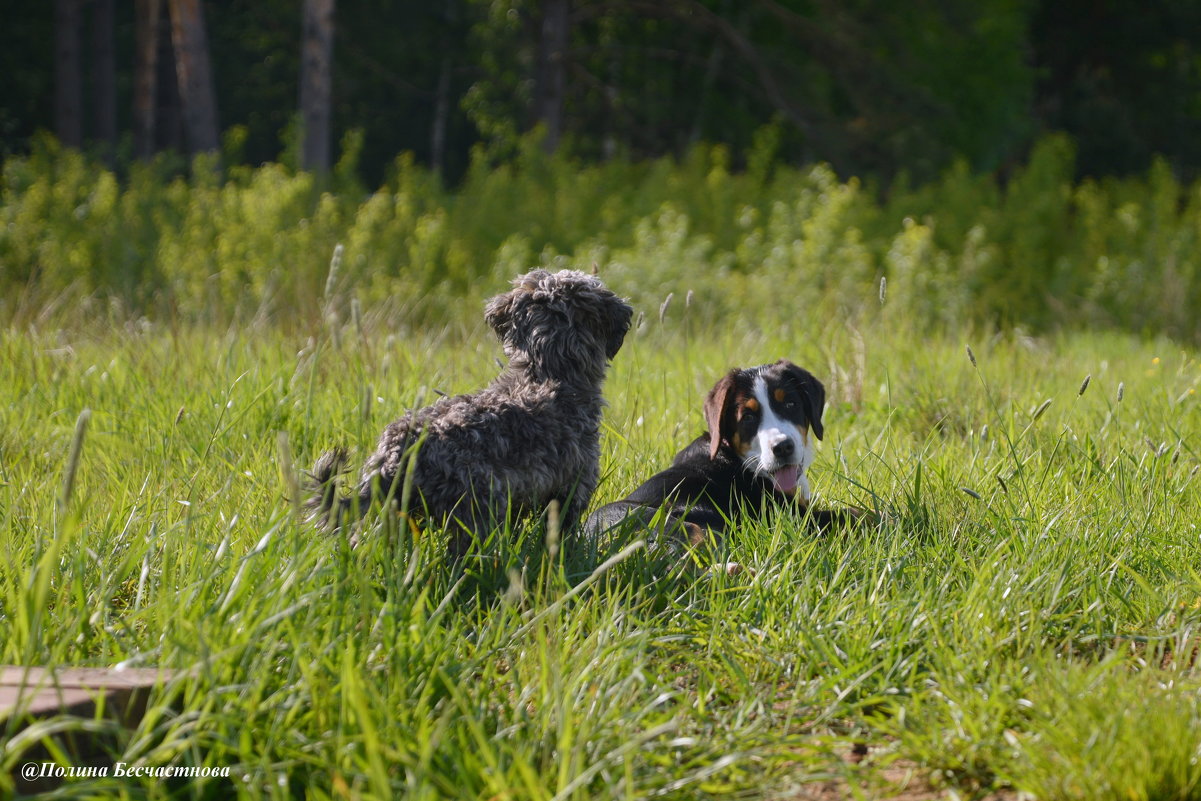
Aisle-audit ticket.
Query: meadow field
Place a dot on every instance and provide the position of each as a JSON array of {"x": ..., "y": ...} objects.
[{"x": 1019, "y": 618}]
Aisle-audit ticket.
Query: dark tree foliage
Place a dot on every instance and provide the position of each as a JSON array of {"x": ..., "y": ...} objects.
[
  {"x": 874, "y": 88},
  {"x": 1124, "y": 78},
  {"x": 869, "y": 87}
]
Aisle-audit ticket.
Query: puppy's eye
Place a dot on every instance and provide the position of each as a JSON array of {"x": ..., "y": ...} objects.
[{"x": 750, "y": 414}]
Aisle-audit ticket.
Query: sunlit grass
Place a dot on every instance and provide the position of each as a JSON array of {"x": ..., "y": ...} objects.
[{"x": 1023, "y": 616}]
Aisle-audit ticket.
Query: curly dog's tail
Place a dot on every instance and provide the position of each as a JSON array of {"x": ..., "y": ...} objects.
[{"x": 325, "y": 505}]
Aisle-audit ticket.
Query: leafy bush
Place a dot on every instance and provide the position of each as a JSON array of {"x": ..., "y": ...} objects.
[{"x": 1037, "y": 251}]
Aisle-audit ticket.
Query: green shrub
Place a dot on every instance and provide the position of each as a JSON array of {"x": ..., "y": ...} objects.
[{"x": 1038, "y": 251}]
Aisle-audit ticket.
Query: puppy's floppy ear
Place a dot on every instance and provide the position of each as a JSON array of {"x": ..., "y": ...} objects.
[
  {"x": 813, "y": 394},
  {"x": 716, "y": 403},
  {"x": 618, "y": 323}
]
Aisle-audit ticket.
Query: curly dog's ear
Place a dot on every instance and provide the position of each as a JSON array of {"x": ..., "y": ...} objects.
[
  {"x": 618, "y": 323},
  {"x": 500, "y": 310},
  {"x": 498, "y": 314},
  {"x": 813, "y": 394},
  {"x": 716, "y": 404}
]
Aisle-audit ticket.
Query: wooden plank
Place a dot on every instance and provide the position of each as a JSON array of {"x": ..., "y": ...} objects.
[
  {"x": 28, "y": 694},
  {"x": 37, "y": 692}
]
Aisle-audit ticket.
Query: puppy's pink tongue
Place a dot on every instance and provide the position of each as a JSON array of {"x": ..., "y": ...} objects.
[{"x": 786, "y": 479}]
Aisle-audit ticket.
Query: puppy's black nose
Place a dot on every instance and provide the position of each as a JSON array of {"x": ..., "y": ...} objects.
[{"x": 783, "y": 449}]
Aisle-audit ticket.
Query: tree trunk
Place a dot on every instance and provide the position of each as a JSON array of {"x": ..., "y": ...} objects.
[
  {"x": 169, "y": 122},
  {"x": 316, "y": 68},
  {"x": 550, "y": 70},
  {"x": 104, "y": 76},
  {"x": 712, "y": 67},
  {"x": 68, "y": 85},
  {"x": 441, "y": 113},
  {"x": 145, "y": 77},
  {"x": 195, "y": 77}
]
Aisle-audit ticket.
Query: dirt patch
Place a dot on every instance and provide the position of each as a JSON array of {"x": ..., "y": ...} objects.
[
  {"x": 899, "y": 780},
  {"x": 895, "y": 783}
]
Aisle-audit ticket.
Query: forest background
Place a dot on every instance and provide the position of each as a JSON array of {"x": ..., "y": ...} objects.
[{"x": 872, "y": 88}]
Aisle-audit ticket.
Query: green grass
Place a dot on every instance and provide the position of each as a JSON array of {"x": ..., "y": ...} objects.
[{"x": 1025, "y": 616}]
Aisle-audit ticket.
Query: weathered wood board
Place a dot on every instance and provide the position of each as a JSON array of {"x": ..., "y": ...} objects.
[{"x": 29, "y": 694}]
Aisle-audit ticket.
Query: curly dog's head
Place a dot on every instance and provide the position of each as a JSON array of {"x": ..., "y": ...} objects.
[{"x": 560, "y": 324}]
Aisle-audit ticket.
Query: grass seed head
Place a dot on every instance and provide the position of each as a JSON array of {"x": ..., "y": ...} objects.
[
  {"x": 73, "y": 456},
  {"x": 335, "y": 264}
]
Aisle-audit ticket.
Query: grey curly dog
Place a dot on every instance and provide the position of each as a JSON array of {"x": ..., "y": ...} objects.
[{"x": 529, "y": 437}]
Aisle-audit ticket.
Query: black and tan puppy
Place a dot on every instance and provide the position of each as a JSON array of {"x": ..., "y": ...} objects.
[{"x": 758, "y": 449}]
